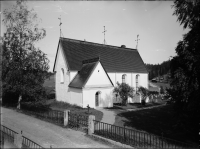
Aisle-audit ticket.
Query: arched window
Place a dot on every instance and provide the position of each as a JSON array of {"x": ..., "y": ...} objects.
[
  {"x": 124, "y": 78},
  {"x": 62, "y": 76},
  {"x": 137, "y": 81}
]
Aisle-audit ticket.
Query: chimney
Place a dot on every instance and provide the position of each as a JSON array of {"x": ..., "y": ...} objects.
[{"x": 123, "y": 46}]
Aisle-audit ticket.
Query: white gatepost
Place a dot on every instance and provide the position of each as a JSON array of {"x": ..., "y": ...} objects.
[
  {"x": 18, "y": 140},
  {"x": 66, "y": 116},
  {"x": 91, "y": 119}
]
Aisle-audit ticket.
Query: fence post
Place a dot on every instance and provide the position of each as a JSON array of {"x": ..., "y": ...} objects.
[
  {"x": 162, "y": 139},
  {"x": 66, "y": 116},
  {"x": 124, "y": 134},
  {"x": 18, "y": 140},
  {"x": 91, "y": 119},
  {"x": 2, "y": 140}
]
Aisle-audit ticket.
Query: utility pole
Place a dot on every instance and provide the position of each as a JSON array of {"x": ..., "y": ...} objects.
[
  {"x": 137, "y": 42},
  {"x": 104, "y": 42}
]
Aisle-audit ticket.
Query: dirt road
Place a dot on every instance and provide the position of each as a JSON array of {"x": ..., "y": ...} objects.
[{"x": 47, "y": 134}]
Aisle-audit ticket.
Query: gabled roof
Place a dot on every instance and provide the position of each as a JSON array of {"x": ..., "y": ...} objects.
[
  {"x": 114, "y": 59},
  {"x": 84, "y": 74}
]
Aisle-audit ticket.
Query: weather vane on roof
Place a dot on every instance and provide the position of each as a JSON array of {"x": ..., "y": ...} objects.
[
  {"x": 60, "y": 25},
  {"x": 104, "y": 35},
  {"x": 137, "y": 42}
]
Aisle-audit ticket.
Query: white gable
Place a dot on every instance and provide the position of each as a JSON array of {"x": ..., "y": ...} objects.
[
  {"x": 60, "y": 60},
  {"x": 98, "y": 78}
]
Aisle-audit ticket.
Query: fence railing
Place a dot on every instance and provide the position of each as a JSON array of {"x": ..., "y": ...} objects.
[
  {"x": 10, "y": 135},
  {"x": 54, "y": 116},
  {"x": 7, "y": 133},
  {"x": 27, "y": 143},
  {"x": 80, "y": 122},
  {"x": 136, "y": 138}
]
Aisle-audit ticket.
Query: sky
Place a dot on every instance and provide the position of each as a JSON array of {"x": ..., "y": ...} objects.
[{"x": 158, "y": 30}]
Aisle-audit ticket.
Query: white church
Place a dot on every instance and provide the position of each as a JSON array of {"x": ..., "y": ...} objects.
[{"x": 86, "y": 73}]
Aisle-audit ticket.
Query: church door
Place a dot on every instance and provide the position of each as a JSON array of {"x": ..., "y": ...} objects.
[{"x": 97, "y": 99}]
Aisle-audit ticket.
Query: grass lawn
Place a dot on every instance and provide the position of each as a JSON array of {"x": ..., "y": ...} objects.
[
  {"x": 61, "y": 106},
  {"x": 155, "y": 121}
]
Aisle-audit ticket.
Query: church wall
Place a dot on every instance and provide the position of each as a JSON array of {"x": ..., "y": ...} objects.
[
  {"x": 105, "y": 97},
  {"x": 98, "y": 78},
  {"x": 112, "y": 77},
  {"x": 144, "y": 81},
  {"x": 130, "y": 78},
  {"x": 72, "y": 75},
  {"x": 62, "y": 93},
  {"x": 76, "y": 96}
]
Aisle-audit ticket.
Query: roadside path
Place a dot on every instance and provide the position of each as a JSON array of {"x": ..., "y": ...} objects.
[
  {"x": 47, "y": 134},
  {"x": 108, "y": 116}
]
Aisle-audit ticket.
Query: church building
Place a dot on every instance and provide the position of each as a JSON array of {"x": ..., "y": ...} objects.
[{"x": 86, "y": 73}]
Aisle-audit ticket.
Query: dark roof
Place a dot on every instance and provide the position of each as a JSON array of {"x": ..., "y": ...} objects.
[
  {"x": 83, "y": 75},
  {"x": 114, "y": 59}
]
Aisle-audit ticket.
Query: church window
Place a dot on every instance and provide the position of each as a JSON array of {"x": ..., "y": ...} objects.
[
  {"x": 62, "y": 76},
  {"x": 137, "y": 81},
  {"x": 124, "y": 78}
]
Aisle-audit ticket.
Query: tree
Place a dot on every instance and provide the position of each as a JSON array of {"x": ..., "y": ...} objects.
[
  {"x": 25, "y": 67},
  {"x": 185, "y": 67},
  {"x": 144, "y": 93},
  {"x": 125, "y": 91}
]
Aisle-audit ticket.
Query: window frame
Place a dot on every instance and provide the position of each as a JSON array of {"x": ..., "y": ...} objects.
[
  {"x": 62, "y": 80},
  {"x": 124, "y": 78}
]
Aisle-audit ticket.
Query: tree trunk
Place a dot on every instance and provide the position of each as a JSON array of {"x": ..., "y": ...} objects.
[
  {"x": 19, "y": 100},
  {"x": 124, "y": 102}
]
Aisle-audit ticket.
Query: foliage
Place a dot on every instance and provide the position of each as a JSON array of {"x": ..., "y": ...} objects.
[
  {"x": 25, "y": 67},
  {"x": 144, "y": 92},
  {"x": 162, "y": 91},
  {"x": 40, "y": 106},
  {"x": 185, "y": 67},
  {"x": 124, "y": 91},
  {"x": 153, "y": 93},
  {"x": 158, "y": 69}
]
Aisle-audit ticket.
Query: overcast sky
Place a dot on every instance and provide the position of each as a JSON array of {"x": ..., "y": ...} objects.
[{"x": 158, "y": 29}]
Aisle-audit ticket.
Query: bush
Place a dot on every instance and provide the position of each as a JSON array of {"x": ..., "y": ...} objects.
[
  {"x": 51, "y": 96},
  {"x": 124, "y": 91},
  {"x": 35, "y": 106},
  {"x": 153, "y": 93},
  {"x": 143, "y": 102},
  {"x": 143, "y": 91}
]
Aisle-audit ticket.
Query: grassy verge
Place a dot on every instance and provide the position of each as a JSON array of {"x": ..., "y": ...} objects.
[
  {"x": 135, "y": 105},
  {"x": 158, "y": 121},
  {"x": 61, "y": 106}
]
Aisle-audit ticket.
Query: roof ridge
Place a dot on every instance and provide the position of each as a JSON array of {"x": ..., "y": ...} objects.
[{"x": 98, "y": 44}]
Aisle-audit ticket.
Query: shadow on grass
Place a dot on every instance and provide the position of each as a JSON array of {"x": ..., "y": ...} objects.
[
  {"x": 158, "y": 121},
  {"x": 113, "y": 108},
  {"x": 134, "y": 105}
]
